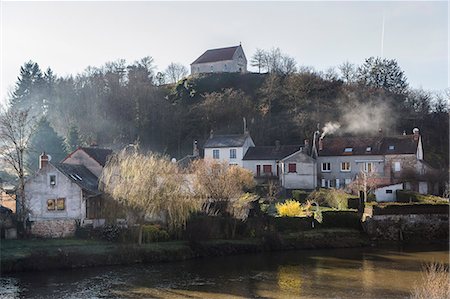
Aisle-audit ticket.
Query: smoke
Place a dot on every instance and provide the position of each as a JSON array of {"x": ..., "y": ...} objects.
[
  {"x": 364, "y": 119},
  {"x": 329, "y": 128}
]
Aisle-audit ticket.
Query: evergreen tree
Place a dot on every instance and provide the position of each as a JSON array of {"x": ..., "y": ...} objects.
[
  {"x": 46, "y": 140},
  {"x": 72, "y": 140}
]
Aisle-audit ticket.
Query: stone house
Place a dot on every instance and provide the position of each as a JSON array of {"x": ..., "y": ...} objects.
[
  {"x": 222, "y": 60},
  {"x": 387, "y": 159},
  {"x": 229, "y": 148},
  {"x": 61, "y": 196}
]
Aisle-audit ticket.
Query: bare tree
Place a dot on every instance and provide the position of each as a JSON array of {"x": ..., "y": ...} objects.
[
  {"x": 348, "y": 72},
  {"x": 366, "y": 181},
  {"x": 223, "y": 189},
  {"x": 16, "y": 130},
  {"x": 149, "y": 185},
  {"x": 175, "y": 72},
  {"x": 259, "y": 60}
]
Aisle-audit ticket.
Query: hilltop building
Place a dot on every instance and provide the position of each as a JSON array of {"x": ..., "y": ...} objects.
[{"x": 222, "y": 60}]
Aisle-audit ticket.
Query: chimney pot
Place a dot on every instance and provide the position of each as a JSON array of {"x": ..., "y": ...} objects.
[
  {"x": 416, "y": 134},
  {"x": 43, "y": 160}
]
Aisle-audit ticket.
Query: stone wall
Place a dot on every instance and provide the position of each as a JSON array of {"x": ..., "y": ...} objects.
[
  {"x": 410, "y": 228},
  {"x": 53, "y": 228}
]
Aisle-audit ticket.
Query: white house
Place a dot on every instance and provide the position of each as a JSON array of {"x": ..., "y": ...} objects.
[
  {"x": 61, "y": 196},
  {"x": 230, "y": 148},
  {"x": 298, "y": 171},
  {"x": 222, "y": 60},
  {"x": 387, "y": 193}
]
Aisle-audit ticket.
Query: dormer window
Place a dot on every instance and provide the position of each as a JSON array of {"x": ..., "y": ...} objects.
[
  {"x": 348, "y": 150},
  {"x": 368, "y": 149},
  {"x": 391, "y": 147}
]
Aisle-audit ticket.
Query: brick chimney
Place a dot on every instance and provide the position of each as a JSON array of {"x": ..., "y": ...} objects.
[
  {"x": 306, "y": 142},
  {"x": 195, "y": 151},
  {"x": 43, "y": 160},
  {"x": 320, "y": 144},
  {"x": 416, "y": 134}
]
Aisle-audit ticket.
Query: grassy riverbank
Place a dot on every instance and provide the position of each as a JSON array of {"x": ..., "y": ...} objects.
[{"x": 45, "y": 254}]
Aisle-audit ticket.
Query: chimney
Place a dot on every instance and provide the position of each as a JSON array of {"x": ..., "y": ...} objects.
[
  {"x": 320, "y": 144},
  {"x": 211, "y": 134},
  {"x": 245, "y": 125},
  {"x": 277, "y": 145},
  {"x": 306, "y": 142},
  {"x": 195, "y": 151},
  {"x": 43, "y": 160},
  {"x": 416, "y": 134},
  {"x": 380, "y": 132}
]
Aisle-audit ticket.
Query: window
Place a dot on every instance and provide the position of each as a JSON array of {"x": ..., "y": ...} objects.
[
  {"x": 292, "y": 167},
  {"x": 391, "y": 147},
  {"x": 397, "y": 167},
  {"x": 345, "y": 166},
  {"x": 267, "y": 169},
  {"x": 368, "y": 149},
  {"x": 233, "y": 153},
  {"x": 212, "y": 69},
  {"x": 225, "y": 67},
  {"x": 326, "y": 167},
  {"x": 58, "y": 204},
  {"x": 338, "y": 183},
  {"x": 323, "y": 183},
  {"x": 348, "y": 150},
  {"x": 367, "y": 167},
  {"x": 348, "y": 181},
  {"x": 388, "y": 191},
  {"x": 216, "y": 154},
  {"x": 52, "y": 179}
]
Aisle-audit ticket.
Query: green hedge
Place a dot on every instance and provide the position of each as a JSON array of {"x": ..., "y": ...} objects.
[
  {"x": 343, "y": 219},
  {"x": 292, "y": 224},
  {"x": 300, "y": 195},
  {"x": 411, "y": 196}
]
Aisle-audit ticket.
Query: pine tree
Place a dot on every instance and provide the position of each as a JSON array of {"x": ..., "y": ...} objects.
[{"x": 72, "y": 140}]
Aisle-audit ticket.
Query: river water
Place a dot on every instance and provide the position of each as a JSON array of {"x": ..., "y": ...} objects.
[{"x": 331, "y": 273}]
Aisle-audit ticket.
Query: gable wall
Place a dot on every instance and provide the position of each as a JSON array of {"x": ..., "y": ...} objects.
[{"x": 79, "y": 157}]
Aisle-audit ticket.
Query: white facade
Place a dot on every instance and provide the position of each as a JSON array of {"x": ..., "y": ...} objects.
[
  {"x": 254, "y": 165},
  {"x": 232, "y": 155},
  {"x": 304, "y": 176},
  {"x": 39, "y": 190},
  {"x": 387, "y": 193},
  {"x": 237, "y": 64}
]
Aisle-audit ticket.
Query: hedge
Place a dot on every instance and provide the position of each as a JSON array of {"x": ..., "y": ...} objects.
[
  {"x": 407, "y": 209},
  {"x": 411, "y": 196},
  {"x": 343, "y": 219}
]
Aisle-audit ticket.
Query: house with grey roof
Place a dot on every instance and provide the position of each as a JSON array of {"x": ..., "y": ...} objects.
[
  {"x": 390, "y": 160},
  {"x": 221, "y": 60},
  {"x": 61, "y": 196},
  {"x": 229, "y": 148}
]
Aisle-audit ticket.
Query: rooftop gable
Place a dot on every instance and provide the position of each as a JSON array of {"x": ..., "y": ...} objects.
[
  {"x": 220, "y": 54},
  {"x": 100, "y": 155}
]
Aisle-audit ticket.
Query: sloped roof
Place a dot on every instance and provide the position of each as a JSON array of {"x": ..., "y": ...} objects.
[
  {"x": 81, "y": 176},
  {"x": 214, "y": 55},
  {"x": 226, "y": 141},
  {"x": 335, "y": 146},
  {"x": 270, "y": 152},
  {"x": 98, "y": 154}
]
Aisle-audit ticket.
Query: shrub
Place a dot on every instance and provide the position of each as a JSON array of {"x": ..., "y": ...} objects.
[
  {"x": 290, "y": 208},
  {"x": 411, "y": 196},
  {"x": 333, "y": 198},
  {"x": 292, "y": 224},
  {"x": 435, "y": 283},
  {"x": 154, "y": 233},
  {"x": 345, "y": 219},
  {"x": 300, "y": 195}
]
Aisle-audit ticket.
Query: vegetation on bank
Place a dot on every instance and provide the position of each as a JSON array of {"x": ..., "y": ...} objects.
[{"x": 434, "y": 284}]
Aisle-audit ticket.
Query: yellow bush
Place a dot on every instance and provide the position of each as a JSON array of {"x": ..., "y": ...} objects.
[{"x": 290, "y": 208}]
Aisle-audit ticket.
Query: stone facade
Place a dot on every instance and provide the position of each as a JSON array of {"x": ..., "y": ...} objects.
[
  {"x": 61, "y": 228},
  {"x": 409, "y": 227}
]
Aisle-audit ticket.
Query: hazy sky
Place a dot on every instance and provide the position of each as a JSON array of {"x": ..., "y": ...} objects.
[{"x": 69, "y": 36}]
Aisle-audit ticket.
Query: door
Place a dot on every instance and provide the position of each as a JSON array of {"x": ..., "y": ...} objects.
[{"x": 258, "y": 170}]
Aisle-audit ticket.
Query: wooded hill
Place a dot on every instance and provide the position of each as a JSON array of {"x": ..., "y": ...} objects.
[{"x": 120, "y": 103}]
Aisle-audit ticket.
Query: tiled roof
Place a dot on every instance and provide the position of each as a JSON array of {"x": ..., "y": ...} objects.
[
  {"x": 214, "y": 55},
  {"x": 226, "y": 141},
  {"x": 81, "y": 176},
  {"x": 360, "y": 146},
  {"x": 98, "y": 154},
  {"x": 270, "y": 152}
]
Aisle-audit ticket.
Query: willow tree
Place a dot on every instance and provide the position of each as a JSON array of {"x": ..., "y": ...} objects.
[
  {"x": 224, "y": 189},
  {"x": 149, "y": 185}
]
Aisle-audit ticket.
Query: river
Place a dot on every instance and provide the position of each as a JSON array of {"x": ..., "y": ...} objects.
[{"x": 331, "y": 273}]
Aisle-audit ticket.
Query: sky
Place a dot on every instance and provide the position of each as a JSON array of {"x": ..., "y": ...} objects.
[{"x": 70, "y": 36}]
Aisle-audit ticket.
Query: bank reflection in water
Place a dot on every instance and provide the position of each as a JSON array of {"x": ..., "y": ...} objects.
[{"x": 344, "y": 273}]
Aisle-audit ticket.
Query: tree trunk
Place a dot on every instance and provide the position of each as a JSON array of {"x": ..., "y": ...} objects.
[{"x": 140, "y": 234}]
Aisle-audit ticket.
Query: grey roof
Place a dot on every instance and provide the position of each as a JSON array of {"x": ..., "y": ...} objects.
[
  {"x": 226, "y": 141},
  {"x": 270, "y": 152},
  {"x": 220, "y": 54},
  {"x": 335, "y": 146},
  {"x": 81, "y": 176},
  {"x": 98, "y": 154}
]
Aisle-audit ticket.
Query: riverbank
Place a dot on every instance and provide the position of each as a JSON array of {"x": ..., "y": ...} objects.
[{"x": 49, "y": 254}]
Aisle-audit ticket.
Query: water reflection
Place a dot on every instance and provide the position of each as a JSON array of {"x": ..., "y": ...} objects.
[{"x": 349, "y": 273}]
